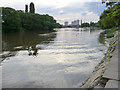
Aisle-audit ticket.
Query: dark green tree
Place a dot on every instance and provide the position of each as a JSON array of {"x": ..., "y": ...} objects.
[
  {"x": 11, "y": 20},
  {"x": 85, "y": 25},
  {"x": 92, "y": 24},
  {"x": 19, "y": 20},
  {"x": 32, "y": 7}
]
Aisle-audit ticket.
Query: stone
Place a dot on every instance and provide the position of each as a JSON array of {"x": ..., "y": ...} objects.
[{"x": 112, "y": 84}]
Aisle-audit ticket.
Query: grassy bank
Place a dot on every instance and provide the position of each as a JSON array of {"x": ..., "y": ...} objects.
[
  {"x": 110, "y": 33},
  {"x": 96, "y": 78}
]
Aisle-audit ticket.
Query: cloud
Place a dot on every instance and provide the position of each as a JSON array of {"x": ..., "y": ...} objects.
[
  {"x": 45, "y": 3},
  {"x": 42, "y": 3},
  {"x": 61, "y": 12},
  {"x": 88, "y": 17},
  {"x": 96, "y": 7}
]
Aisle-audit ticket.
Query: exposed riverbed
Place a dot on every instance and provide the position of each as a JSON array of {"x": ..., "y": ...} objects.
[{"x": 59, "y": 59}]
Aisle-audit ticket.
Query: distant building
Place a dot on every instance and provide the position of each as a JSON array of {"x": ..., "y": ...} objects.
[
  {"x": 32, "y": 8},
  {"x": 26, "y": 8},
  {"x": 66, "y": 23},
  {"x": 81, "y": 22},
  {"x": 75, "y": 23}
]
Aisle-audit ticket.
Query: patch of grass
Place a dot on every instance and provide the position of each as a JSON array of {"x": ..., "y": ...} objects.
[
  {"x": 103, "y": 71},
  {"x": 110, "y": 47},
  {"x": 111, "y": 32},
  {"x": 101, "y": 77}
]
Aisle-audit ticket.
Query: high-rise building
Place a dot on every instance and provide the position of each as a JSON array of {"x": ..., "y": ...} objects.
[
  {"x": 26, "y": 8},
  {"x": 32, "y": 7},
  {"x": 74, "y": 23},
  {"x": 81, "y": 22},
  {"x": 77, "y": 22},
  {"x": 66, "y": 23}
]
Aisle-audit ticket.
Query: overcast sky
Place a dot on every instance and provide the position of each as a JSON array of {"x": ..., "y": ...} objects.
[{"x": 62, "y": 10}]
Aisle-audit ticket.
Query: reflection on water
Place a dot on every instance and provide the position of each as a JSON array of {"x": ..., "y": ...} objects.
[
  {"x": 102, "y": 38},
  {"x": 64, "y": 58},
  {"x": 14, "y": 42}
]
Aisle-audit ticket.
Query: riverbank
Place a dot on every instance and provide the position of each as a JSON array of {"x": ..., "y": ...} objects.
[{"x": 96, "y": 79}]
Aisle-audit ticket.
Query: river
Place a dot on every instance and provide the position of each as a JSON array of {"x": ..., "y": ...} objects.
[{"x": 63, "y": 58}]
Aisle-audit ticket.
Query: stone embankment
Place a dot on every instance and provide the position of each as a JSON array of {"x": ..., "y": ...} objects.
[{"x": 106, "y": 72}]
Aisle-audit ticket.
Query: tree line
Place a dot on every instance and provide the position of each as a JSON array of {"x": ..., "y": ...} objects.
[
  {"x": 91, "y": 24},
  {"x": 17, "y": 20},
  {"x": 111, "y": 16}
]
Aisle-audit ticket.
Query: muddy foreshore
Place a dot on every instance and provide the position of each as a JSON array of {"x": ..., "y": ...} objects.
[{"x": 96, "y": 80}]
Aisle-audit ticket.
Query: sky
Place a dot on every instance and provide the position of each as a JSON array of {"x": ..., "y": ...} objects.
[{"x": 62, "y": 10}]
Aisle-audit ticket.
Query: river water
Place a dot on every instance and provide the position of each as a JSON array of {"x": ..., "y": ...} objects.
[{"x": 63, "y": 58}]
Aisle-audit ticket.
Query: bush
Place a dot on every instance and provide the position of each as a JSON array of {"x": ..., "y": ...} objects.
[{"x": 111, "y": 32}]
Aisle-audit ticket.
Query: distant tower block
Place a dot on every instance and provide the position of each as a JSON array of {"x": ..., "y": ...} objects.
[
  {"x": 77, "y": 22},
  {"x": 81, "y": 22},
  {"x": 66, "y": 23},
  {"x": 32, "y": 7},
  {"x": 26, "y": 8}
]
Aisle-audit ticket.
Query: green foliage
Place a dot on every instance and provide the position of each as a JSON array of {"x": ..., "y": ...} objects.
[
  {"x": 11, "y": 20},
  {"x": 85, "y": 25},
  {"x": 100, "y": 77},
  {"x": 108, "y": 2},
  {"x": 92, "y": 24},
  {"x": 110, "y": 17},
  {"x": 19, "y": 20},
  {"x": 103, "y": 71},
  {"x": 97, "y": 24},
  {"x": 111, "y": 32},
  {"x": 57, "y": 25},
  {"x": 32, "y": 8}
]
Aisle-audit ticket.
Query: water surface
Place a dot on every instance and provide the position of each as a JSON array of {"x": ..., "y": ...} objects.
[{"x": 60, "y": 59}]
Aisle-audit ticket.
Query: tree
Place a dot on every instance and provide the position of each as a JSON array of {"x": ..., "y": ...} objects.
[
  {"x": 32, "y": 8},
  {"x": 85, "y": 25},
  {"x": 116, "y": 14},
  {"x": 16, "y": 20},
  {"x": 108, "y": 3},
  {"x": 11, "y": 20},
  {"x": 110, "y": 17},
  {"x": 92, "y": 24}
]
